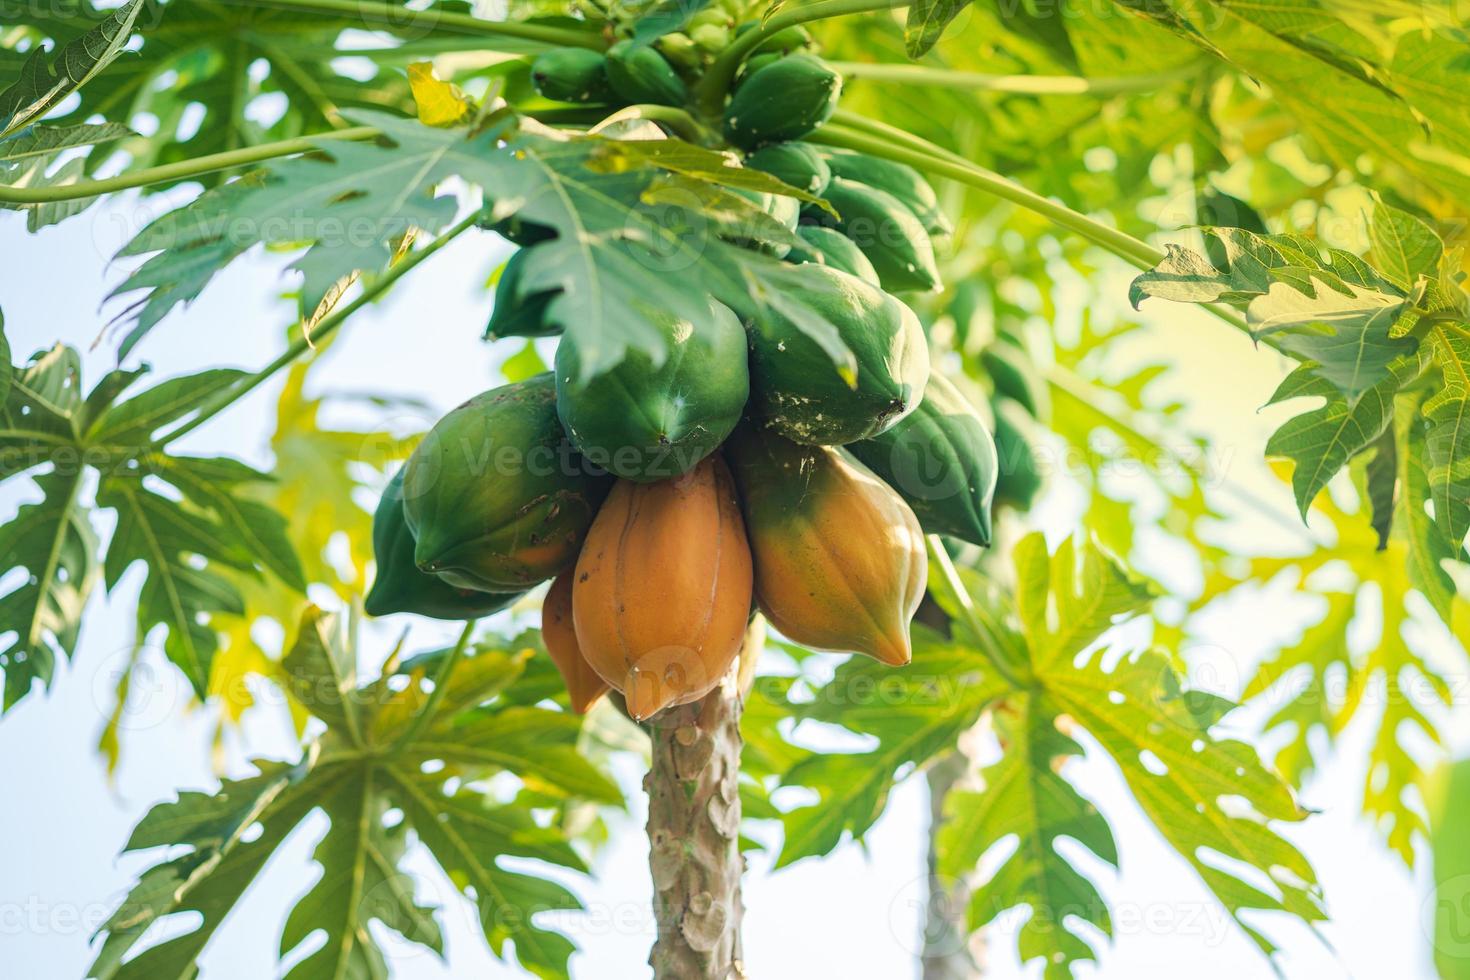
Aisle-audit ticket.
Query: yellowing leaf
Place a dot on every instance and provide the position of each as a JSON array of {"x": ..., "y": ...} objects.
[{"x": 440, "y": 103}]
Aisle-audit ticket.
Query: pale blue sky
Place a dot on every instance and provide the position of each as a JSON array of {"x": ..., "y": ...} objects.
[{"x": 852, "y": 915}]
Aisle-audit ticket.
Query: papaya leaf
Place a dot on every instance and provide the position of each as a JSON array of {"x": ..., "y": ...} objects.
[
  {"x": 439, "y": 103},
  {"x": 1404, "y": 248},
  {"x": 232, "y": 833},
  {"x": 1393, "y": 83},
  {"x": 1447, "y": 443},
  {"x": 1323, "y": 684},
  {"x": 47, "y": 142},
  {"x": 1325, "y": 307},
  {"x": 665, "y": 17},
  {"x": 1320, "y": 442},
  {"x": 1187, "y": 779},
  {"x": 927, "y": 21},
  {"x": 184, "y": 535},
  {"x": 192, "y": 64},
  {"x": 1025, "y": 795},
  {"x": 28, "y": 159},
  {"x": 179, "y": 592},
  {"x": 41, "y": 86},
  {"x": 914, "y": 716},
  {"x": 55, "y": 543}
]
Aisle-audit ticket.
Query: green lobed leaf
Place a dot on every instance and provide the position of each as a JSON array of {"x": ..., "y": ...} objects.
[{"x": 42, "y": 86}]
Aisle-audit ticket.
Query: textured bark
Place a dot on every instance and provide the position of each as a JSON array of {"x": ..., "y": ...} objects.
[
  {"x": 694, "y": 837},
  {"x": 950, "y": 951}
]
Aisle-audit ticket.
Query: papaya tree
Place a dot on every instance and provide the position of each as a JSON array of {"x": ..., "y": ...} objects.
[{"x": 828, "y": 329}]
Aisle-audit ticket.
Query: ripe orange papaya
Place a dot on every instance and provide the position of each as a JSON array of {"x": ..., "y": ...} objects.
[
  {"x": 839, "y": 557},
  {"x": 662, "y": 589},
  {"x": 584, "y": 685}
]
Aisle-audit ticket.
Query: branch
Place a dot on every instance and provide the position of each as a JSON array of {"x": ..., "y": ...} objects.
[
  {"x": 378, "y": 15},
  {"x": 854, "y": 132},
  {"x": 328, "y": 325},
  {"x": 962, "y": 597},
  {"x": 430, "y": 707},
  {"x": 1014, "y": 84},
  {"x": 181, "y": 170}
]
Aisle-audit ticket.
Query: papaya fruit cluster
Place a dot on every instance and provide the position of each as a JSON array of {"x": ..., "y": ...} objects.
[
  {"x": 670, "y": 499},
  {"x": 716, "y": 513}
]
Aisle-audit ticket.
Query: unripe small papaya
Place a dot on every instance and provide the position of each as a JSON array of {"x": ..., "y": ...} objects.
[
  {"x": 584, "y": 685},
  {"x": 839, "y": 557},
  {"x": 645, "y": 422},
  {"x": 712, "y": 16},
  {"x": 517, "y": 314},
  {"x": 784, "y": 41},
  {"x": 898, "y": 179},
  {"x": 1014, "y": 376},
  {"x": 495, "y": 495},
  {"x": 830, "y": 247},
  {"x": 795, "y": 163},
  {"x": 784, "y": 100},
  {"x": 680, "y": 50},
  {"x": 662, "y": 590},
  {"x": 710, "y": 38},
  {"x": 1018, "y": 478},
  {"x": 640, "y": 74},
  {"x": 399, "y": 586},
  {"x": 941, "y": 459},
  {"x": 797, "y": 389},
  {"x": 889, "y": 234},
  {"x": 752, "y": 65},
  {"x": 572, "y": 75}
]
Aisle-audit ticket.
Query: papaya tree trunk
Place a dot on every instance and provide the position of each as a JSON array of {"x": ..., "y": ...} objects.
[
  {"x": 950, "y": 952},
  {"x": 694, "y": 837}
]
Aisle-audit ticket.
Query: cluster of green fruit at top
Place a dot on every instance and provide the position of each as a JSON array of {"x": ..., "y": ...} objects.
[{"x": 499, "y": 495}]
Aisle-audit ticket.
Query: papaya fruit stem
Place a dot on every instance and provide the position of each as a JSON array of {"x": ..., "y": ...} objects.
[
  {"x": 379, "y": 15},
  {"x": 425, "y": 715},
  {"x": 180, "y": 170},
  {"x": 1013, "y": 84},
  {"x": 1012, "y": 673},
  {"x": 693, "y": 790},
  {"x": 851, "y": 131}
]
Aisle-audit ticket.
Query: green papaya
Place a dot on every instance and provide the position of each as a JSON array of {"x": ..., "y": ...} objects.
[
  {"x": 1015, "y": 377},
  {"x": 797, "y": 389},
  {"x": 644, "y": 422},
  {"x": 783, "y": 101},
  {"x": 400, "y": 587},
  {"x": 640, "y": 74},
  {"x": 898, "y": 179},
  {"x": 784, "y": 41},
  {"x": 941, "y": 459},
  {"x": 752, "y": 65},
  {"x": 573, "y": 75},
  {"x": 516, "y": 314},
  {"x": 888, "y": 233},
  {"x": 827, "y": 246},
  {"x": 496, "y": 496},
  {"x": 1018, "y": 479},
  {"x": 795, "y": 163},
  {"x": 680, "y": 50},
  {"x": 710, "y": 38}
]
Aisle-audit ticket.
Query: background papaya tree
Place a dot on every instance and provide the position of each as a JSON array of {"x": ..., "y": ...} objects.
[{"x": 1074, "y": 147}]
